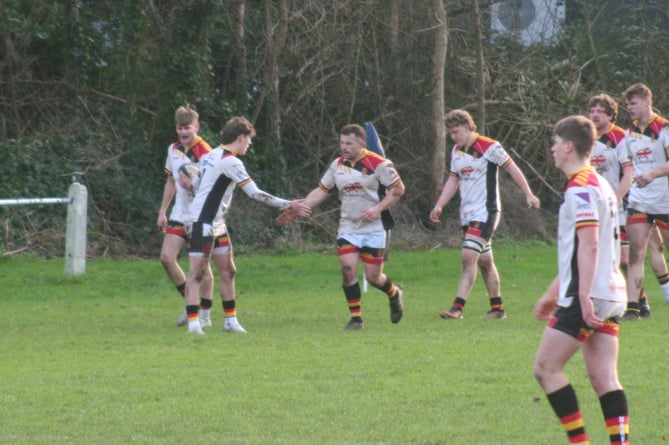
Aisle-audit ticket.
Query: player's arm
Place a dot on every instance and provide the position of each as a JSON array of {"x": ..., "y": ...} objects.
[
  {"x": 625, "y": 181},
  {"x": 447, "y": 193},
  {"x": 393, "y": 194},
  {"x": 545, "y": 306},
  {"x": 168, "y": 194},
  {"x": 297, "y": 205},
  {"x": 313, "y": 199},
  {"x": 663, "y": 170},
  {"x": 519, "y": 178},
  {"x": 587, "y": 259}
]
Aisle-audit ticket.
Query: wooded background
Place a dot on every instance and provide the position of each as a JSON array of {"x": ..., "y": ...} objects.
[{"x": 92, "y": 86}]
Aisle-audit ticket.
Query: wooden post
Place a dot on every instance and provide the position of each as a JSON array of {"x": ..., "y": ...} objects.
[{"x": 77, "y": 220}]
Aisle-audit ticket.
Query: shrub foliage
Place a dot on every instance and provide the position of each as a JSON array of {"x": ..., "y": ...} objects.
[{"x": 92, "y": 86}]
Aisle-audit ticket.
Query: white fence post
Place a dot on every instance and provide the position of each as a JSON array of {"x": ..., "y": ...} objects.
[{"x": 75, "y": 236}]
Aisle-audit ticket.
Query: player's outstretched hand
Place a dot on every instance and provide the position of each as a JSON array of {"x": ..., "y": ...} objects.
[
  {"x": 300, "y": 207},
  {"x": 287, "y": 216}
]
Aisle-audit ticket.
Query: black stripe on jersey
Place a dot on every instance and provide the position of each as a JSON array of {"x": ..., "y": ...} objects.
[
  {"x": 213, "y": 201},
  {"x": 492, "y": 170}
]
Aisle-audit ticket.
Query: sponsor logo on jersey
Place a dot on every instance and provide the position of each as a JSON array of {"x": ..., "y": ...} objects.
[
  {"x": 644, "y": 153},
  {"x": 597, "y": 160},
  {"x": 353, "y": 187}
]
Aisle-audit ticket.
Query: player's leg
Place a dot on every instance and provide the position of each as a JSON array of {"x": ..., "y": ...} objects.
[
  {"x": 199, "y": 251},
  {"x": 207, "y": 285},
  {"x": 558, "y": 344},
  {"x": 206, "y": 296},
  {"x": 490, "y": 276},
  {"x": 349, "y": 257},
  {"x": 638, "y": 231},
  {"x": 476, "y": 239},
  {"x": 226, "y": 268},
  {"x": 373, "y": 260},
  {"x": 659, "y": 237},
  {"x": 469, "y": 255},
  {"x": 173, "y": 241},
  {"x": 601, "y": 358}
]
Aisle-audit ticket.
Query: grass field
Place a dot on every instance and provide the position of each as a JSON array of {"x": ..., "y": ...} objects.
[{"x": 97, "y": 359}]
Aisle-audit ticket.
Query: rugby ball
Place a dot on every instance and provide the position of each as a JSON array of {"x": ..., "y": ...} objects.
[{"x": 190, "y": 170}]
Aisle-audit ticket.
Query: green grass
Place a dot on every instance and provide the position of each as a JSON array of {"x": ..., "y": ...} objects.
[{"x": 96, "y": 359}]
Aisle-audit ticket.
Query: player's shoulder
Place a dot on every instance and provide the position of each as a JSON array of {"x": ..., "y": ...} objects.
[
  {"x": 373, "y": 160},
  {"x": 582, "y": 178},
  {"x": 483, "y": 143},
  {"x": 660, "y": 122},
  {"x": 201, "y": 148},
  {"x": 616, "y": 133}
]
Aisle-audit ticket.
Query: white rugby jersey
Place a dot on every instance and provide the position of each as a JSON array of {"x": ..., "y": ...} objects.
[
  {"x": 358, "y": 185},
  {"x": 477, "y": 168},
  {"x": 608, "y": 157},
  {"x": 589, "y": 201},
  {"x": 222, "y": 172},
  {"x": 178, "y": 155},
  {"x": 647, "y": 149}
]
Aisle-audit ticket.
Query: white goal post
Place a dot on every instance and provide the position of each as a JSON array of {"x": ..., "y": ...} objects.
[{"x": 77, "y": 218}]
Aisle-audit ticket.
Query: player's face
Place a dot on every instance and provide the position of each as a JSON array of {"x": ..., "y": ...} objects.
[
  {"x": 600, "y": 117},
  {"x": 559, "y": 151},
  {"x": 187, "y": 133},
  {"x": 246, "y": 141},
  {"x": 350, "y": 147},
  {"x": 461, "y": 135},
  {"x": 637, "y": 107}
]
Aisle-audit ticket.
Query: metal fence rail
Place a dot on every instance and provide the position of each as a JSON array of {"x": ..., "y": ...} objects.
[{"x": 77, "y": 218}]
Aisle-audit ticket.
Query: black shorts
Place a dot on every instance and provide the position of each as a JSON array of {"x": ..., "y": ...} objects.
[
  {"x": 570, "y": 321},
  {"x": 201, "y": 240},
  {"x": 482, "y": 229}
]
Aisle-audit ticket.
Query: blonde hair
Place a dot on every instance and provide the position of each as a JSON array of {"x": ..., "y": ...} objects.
[
  {"x": 456, "y": 118},
  {"x": 639, "y": 90},
  {"x": 185, "y": 115}
]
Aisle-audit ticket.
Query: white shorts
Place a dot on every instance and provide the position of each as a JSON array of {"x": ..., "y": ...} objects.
[
  {"x": 605, "y": 309},
  {"x": 376, "y": 240}
]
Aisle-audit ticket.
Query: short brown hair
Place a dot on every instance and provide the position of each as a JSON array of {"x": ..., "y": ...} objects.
[
  {"x": 354, "y": 129},
  {"x": 577, "y": 129},
  {"x": 185, "y": 115},
  {"x": 638, "y": 89},
  {"x": 234, "y": 127},
  {"x": 605, "y": 101},
  {"x": 456, "y": 118}
]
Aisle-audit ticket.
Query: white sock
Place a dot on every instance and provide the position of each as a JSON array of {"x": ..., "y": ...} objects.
[
  {"x": 231, "y": 320},
  {"x": 665, "y": 289},
  {"x": 204, "y": 313},
  {"x": 193, "y": 324}
]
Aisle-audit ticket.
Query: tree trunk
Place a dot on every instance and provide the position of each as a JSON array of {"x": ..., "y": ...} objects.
[
  {"x": 239, "y": 52},
  {"x": 438, "y": 105},
  {"x": 479, "y": 69}
]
